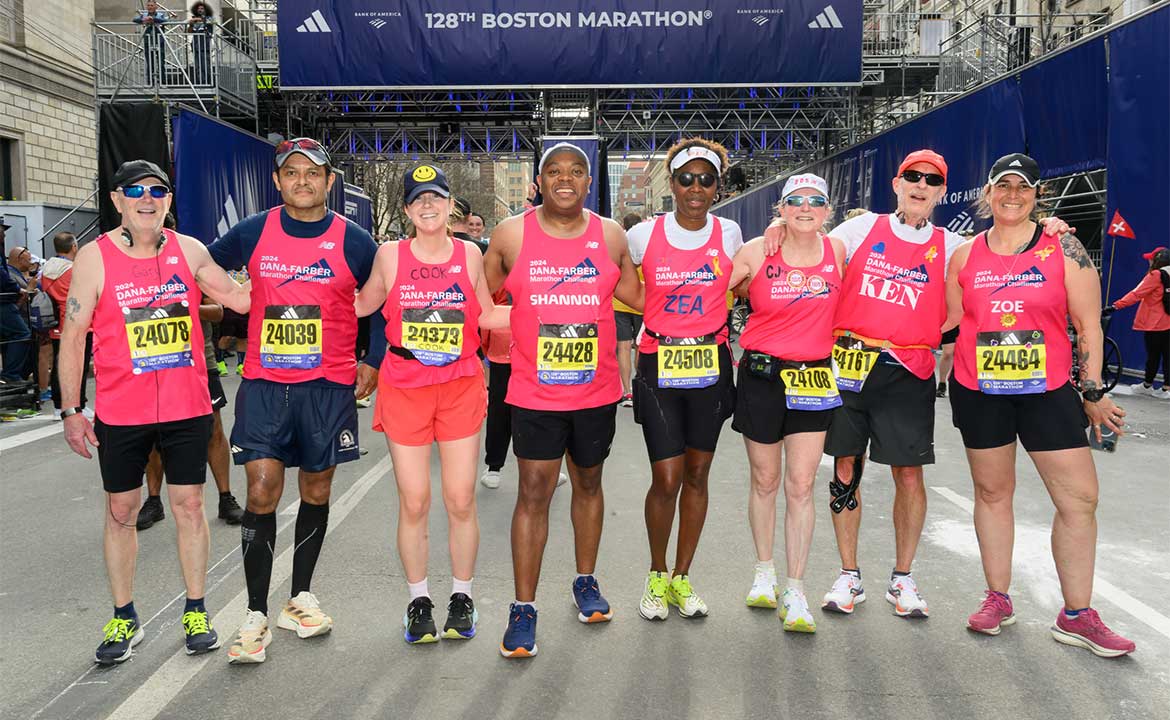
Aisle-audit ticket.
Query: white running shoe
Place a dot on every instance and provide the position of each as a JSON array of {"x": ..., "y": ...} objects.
[
  {"x": 490, "y": 479},
  {"x": 653, "y": 605},
  {"x": 845, "y": 594},
  {"x": 763, "y": 592},
  {"x": 795, "y": 613},
  {"x": 251, "y": 640},
  {"x": 562, "y": 479},
  {"x": 688, "y": 602},
  {"x": 302, "y": 614},
  {"x": 904, "y": 596}
]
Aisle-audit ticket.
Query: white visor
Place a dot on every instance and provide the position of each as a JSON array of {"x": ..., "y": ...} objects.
[
  {"x": 808, "y": 180},
  {"x": 696, "y": 152}
]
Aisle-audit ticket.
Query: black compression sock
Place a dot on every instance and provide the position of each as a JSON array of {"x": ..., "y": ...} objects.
[
  {"x": 258, "y": 542},
  {"x": 311, "y": 523}
]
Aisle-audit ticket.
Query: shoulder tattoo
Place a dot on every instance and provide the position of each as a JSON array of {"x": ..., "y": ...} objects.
[{"x": 1075, "y": 251}]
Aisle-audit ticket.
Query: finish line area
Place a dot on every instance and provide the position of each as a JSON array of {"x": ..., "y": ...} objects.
[{"x": 735, "y": 663}]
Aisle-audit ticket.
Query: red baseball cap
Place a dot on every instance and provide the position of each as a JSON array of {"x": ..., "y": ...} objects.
[
  {"x": 1150, "y": 255},
  {"x": 924, "y": 156}
]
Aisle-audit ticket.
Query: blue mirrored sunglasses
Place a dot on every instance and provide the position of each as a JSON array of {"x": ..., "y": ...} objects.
[
  {"x": 813, "y": 200},
  {"x": 137, "y": 191}
]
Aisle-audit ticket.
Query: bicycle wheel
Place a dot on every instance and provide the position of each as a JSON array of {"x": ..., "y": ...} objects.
[
  {"x": 739, "y": 315},
  {"x": 1110, "y": 365}
]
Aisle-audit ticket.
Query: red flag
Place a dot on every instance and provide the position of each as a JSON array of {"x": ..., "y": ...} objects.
[{"x": 1119, "y": 227}]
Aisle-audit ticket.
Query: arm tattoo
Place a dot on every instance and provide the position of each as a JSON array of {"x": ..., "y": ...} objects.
[
  {"x": 1075, "y": 251},
  {"x": 72, "y": 307}
]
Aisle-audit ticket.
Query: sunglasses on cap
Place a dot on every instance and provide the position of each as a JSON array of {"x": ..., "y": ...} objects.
[
  {"x": 315, "y": 150},
  {"x": 816, "y": 201},
  {"x": 932, "y": 179},
  {"x": 136, "y": 191},
  {"x": 687, "y": 179}
]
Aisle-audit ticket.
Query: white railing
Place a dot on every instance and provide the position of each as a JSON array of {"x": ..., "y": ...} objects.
[{"x": 900, "y": 34}]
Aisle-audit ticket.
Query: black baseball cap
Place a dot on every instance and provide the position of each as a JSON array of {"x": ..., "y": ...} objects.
[
  {"x": 421, "y": 179},
  {"x": 1015, "y": 164},
  {"x": 134, "y": 170},
  {"x": 462, "y": 206}
]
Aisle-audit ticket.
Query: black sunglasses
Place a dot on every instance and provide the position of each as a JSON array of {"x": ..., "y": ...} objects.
[
  {"x": 932, "y": 179},
  {"x": 687, "y": 179}
]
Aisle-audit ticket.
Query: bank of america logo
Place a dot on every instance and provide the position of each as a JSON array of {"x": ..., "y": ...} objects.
[
  {"x": 377, "y": 23},
  {"x": 962, "y": 223},
  {"x": 760, "y": 20},
  {"x": 826, "y": 19},
  {"x": 314, "y": 23}
]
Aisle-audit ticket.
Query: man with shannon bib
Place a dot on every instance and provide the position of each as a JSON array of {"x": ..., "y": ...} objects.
[
  {"x": 889, "y": 319},
  {"x": 295, "y": 407},
  {"x": 563, "y": 265},
  {"x": 139, "y": 287}
]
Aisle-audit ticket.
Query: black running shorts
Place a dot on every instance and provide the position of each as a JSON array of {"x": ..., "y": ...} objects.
[
  {"x": 312, "y": 425},
  {"x": 1054, "y": 420},
  {"x": 950, "y": 336},
  {"x": 233, "y": 325},
  {"x": 548, "y": 434},
  {"x": 674, "y": 419},
  {"x": 628, "y": 325},
  {"x": 123, "y": 451},
  {"x": 762, "y": 415},
  {"x": 892, "y": 416},
  {"x": 215, "y": 390}
]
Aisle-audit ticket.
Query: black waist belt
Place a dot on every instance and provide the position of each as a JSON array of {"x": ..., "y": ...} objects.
[
  {"x": 400, "y": 352},
  {"x": 657, "y": 336}
]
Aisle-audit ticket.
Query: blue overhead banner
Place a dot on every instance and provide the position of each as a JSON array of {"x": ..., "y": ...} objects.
[
  {"x": 592, "y": 43},
  {"x": 222, "y": 175}
]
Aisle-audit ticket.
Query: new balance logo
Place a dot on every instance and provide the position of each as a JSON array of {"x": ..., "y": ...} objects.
[
  {"x": 327, "y": 245},
  {"x": 827, "y": 19},
  {"x": 377, "y": 23},
  {"x": 172, "y": 261},
  {"x": 760, "y": 20},
  {"x": 290, "y": 314},
  {"x": 315, "y": 23}
]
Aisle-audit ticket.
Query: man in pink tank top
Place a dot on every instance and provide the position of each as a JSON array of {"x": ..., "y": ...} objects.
[
  {"x": 563, "y": 265},
  {"x": 889, "y": 320},
  {"x": 138, "y": 286}
]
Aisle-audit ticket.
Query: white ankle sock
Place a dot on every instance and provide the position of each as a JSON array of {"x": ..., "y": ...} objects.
[
  {"x": 795, "y": 584},
  {"x": 461, "y": 586},
  {"x": 418, "y": 589},
  {"x": 525, "y": 602},
  {"x": 766, "y": 566}
]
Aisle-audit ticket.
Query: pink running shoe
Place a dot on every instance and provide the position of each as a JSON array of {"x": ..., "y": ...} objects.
[
  {"x": 1086, "y": 630},
  {"x": 993, "y": 614}
]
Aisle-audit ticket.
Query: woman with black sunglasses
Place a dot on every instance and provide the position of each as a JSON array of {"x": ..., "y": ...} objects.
[
  {"x": 786, "y": 389},
  {"x": 683, "y": 390}
]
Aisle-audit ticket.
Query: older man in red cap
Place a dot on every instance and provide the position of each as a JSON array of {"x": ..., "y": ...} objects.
[{"x": 889, "y": 320}]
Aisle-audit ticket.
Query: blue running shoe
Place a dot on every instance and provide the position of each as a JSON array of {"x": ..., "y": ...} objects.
[
  {"x": 520, "y": 637},
  {"x": 46, "y": 396},
  {"x": 121, "y": 635},
  {"x": 200, "y": 636},
  {"x": 592, "y": 608}
]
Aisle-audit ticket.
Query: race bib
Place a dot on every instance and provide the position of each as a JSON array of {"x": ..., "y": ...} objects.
[
  {"x": 810, "y": 388},
  {"x": 688, "y": 362},
  {"x": 291, "y": 337},
  {"x": 435, "y": 336},
  {"x": 159, "y": 337},
  {"x": 566, "y": 354},
  {"x": 852, "y": 362},
  {"x": 1011, "y": 362}
]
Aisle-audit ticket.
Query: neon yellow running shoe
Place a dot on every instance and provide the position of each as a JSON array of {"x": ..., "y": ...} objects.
[
  {"x": 795, "y": 613},
  {"x": 653, "y": 605},
  {"x": 680, "y": 594}
]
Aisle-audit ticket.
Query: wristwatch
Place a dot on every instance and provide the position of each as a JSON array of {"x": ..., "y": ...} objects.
[
  {"x": 1093, "y": 395},
  {"x": 70, "y": 411}
]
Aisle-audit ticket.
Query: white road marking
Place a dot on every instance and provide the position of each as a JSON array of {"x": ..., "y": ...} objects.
[
  {"x": 165, "y": 683},
  {"x": 25, "y": 438},
  {"x": 1101, "y": 587}
]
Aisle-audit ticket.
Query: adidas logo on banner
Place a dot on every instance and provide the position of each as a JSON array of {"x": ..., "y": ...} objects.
[
  {"x": 963, "y": 222},
  {"x": 314, "y": 23},
  {"x": 827, "y": 19},
  {"x": 230, "y": 217}
]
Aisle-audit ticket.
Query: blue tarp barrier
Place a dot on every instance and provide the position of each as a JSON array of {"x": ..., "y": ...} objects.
[{"x": 359, "y": 208}]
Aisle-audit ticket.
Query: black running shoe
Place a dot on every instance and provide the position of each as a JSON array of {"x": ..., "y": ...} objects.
[
  {"x": 461, "y": 618},
  {"x": 122, "y": 634},
  {"x": 151, "y": 512},
  {"x": 419, "y": 623},
  {"x": 941, "y": 392},
  {"x": 201, "y": 637},
  {"x": 229, "y": 510}
]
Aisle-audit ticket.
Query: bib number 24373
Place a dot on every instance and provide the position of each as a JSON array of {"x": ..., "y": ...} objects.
[
  {"x": 566, "y": 354},
  {"x": 291, "y": 337}
]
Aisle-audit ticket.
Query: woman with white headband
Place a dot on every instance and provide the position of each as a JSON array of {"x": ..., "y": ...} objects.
[
  {"x": 683, "y": 390},
  {"x": 787, "y": 390}
]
